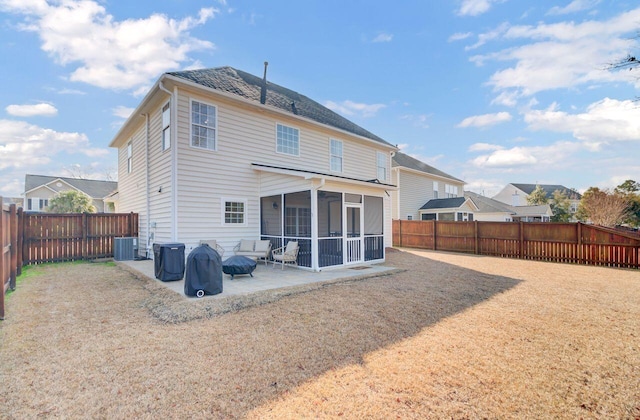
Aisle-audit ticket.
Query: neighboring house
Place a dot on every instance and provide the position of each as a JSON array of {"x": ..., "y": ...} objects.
[
  {"x": 460, "y": 209},
  {"x": 490, "y": 210},
  {"x": 39, "y": 189},
  {"x": 222, "y": 154},
  {"x": 418, "y": 183},
  {"x": 516, "y": 194}
]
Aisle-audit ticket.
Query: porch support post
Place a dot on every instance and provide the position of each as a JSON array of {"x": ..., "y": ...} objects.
[{"x": 314, "y": 229}]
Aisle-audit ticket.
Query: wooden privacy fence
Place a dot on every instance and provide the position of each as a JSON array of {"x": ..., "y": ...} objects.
[
  {"x": 575, "y": 243},
  {"x": 33, "y": 238}
]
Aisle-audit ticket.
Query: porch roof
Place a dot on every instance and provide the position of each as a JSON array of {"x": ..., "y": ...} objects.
[{"x": 320, "y": 175}]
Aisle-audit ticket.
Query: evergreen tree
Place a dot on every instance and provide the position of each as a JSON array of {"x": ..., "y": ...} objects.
[
  {"x": 71, "y": 201},
  {"x": 561, "y": 207},
  {"x": 537, "y": 197}
]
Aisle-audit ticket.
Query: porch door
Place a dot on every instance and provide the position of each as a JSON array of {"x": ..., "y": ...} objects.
[{"x": 354, "y": 240}]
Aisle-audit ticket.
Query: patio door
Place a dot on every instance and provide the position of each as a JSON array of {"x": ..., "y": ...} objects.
[{"x": 354, "y": 239}]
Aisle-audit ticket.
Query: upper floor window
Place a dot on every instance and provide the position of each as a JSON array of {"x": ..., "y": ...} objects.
[
  {"x": 166, "y": 126},
  {"x": 451, "y": 190},
  {"x": 382, "y": 166},
  {"x": 203, "y": 125},
  {"x": 37, "y": 204},
  {"x": 435, "y": 189},
  {"x": 336, "y": 155},
  {"x": 129, "y": 158},
  {"x": 288, "y": 140}
]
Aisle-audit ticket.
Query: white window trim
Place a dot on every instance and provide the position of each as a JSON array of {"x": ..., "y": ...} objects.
[
  {"x": 217, "y": 136},
  {"x": 165, "y": 146},
  {"x": 276, "y": 137},
  {"x": 331, "y": 155},
  {"x": 223, "y": 202}
]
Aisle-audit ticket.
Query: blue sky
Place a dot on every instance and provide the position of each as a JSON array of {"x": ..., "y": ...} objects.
[{"x": 489, "y": 91}]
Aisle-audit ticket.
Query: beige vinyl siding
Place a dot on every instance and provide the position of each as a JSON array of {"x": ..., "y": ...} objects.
[
  {"x": 414, "y": 192},
  {"x": 243, "y": 137}
]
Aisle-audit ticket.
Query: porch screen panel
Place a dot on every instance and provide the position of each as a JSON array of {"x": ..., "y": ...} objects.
[
  {"x": 373, "y": 215},
  {"x": 297, "y": 214},
  {"x": 329, "y": 214},
  {"x": 271, "y": 215}
]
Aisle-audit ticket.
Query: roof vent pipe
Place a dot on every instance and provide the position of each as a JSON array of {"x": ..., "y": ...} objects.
[{"x": 263, "y": 91}]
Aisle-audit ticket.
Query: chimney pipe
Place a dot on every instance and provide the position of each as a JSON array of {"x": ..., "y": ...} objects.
[{"x": 263, "y": 90}]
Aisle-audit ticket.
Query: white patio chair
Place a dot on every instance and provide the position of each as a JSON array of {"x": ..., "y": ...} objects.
[
  {"x": 288, "y": 254},
  {"x": 213, "y": 244}
]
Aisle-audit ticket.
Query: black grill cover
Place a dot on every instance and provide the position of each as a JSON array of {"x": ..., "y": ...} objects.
[
  {"x": 204, "y": 272},
  {"x": 168, "y": 261}
]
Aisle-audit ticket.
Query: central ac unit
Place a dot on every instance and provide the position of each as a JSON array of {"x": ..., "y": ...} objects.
[{"x": 125, "y": 249}]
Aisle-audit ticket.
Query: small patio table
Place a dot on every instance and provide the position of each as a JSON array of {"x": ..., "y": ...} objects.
[{"x": 238, "y": 264}]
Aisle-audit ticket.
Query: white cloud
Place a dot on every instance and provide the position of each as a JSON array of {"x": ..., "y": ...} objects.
[
  {"x": 351, "y": 108},
  {"x": 476, "y": 7},
  {"x": 573, "y": 7},
  {"x": 485, "y": 120},
  {"x": 41, "y": 109},
  {"x": 383, "y": 37},
  {"x": 459, "y": 36},
  {"x": 483, "y": 147},
  {"x": 105, "y": 52},
  {"x": 23, "y": 144},
  {"x": 561, "y": 55},
  {"x": 540, "y": 156},
  {"x": 122, "y": 111},
  {"x": 604, "y": 121}
]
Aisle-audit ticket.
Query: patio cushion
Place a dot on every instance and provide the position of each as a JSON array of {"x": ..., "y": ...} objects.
[
  {"x": 246, "y": 245},
  {"x": 291, "y": 246},
  {"x": 262, "y": 246}
]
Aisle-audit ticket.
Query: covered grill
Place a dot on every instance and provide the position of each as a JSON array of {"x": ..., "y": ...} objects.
[{"x": 204, "y": 272}]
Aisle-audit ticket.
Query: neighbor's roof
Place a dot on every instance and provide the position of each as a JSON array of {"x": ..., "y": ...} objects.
[
  {"x": 402, "y": 160},
  {"x": 548, "y": 188},
  {"x": 444, "y": 203},
  {"x": 489, "y": 205},
  {"x": 230, "y": 80},
  {"x": 533, "y": 210},
  {"x": 91, "y": 187}
]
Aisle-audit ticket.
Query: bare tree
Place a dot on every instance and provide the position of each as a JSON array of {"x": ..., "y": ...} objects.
[{"x": 604, "y": 207}]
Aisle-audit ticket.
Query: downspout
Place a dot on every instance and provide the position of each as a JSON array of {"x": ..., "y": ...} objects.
[
  {"x": 174, "y": 160},
  {"x": 148, "y": 203}
]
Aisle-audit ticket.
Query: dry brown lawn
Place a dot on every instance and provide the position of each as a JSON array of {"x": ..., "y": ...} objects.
[{"x": 453, "y": 336}]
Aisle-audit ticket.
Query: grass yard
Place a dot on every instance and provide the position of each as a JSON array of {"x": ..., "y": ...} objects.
[{"x": 452, "y": 336}]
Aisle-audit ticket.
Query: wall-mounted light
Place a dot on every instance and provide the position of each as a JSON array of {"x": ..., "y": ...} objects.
[
  {"x": 160, "y": 189},
  {"x": 274, "y": 205}
]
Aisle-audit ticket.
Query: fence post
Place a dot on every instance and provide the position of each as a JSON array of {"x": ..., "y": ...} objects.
[
  {"x": 400, "y": 231},
  {"x": 475, "y": 232},
  {"x": 13, "y": 240},
  {"x": 521, "y": 240},
  {"x": 579, "y": 233},
  {"x": 131, "y": 227},
  {"x": 3, "y": 279},
  {"x": 20, "y": 242},
  {"x": 85, "y": 245},
  {"x": 435, "y": 227}
]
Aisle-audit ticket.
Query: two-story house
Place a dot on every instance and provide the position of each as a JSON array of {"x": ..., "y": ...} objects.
[
  {"x": 39, "y": 189},
  {"x": 222, "y": 154},
  {"x": 516, "y": 194},
  {"x": 419, "y": 183}
]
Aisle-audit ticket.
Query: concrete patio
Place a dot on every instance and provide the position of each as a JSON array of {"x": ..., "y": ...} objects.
[{"x": 264, "y": 277}]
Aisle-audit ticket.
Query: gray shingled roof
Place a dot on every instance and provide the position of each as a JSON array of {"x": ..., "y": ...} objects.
[
  {"x": 486, "y": 204},
  {"x": 548, "y": 188},
  {"x": 230, "y": 80},
  {"x": 93, "y": 188},
  {"x": 444, "y": 203},
  {"x": 404, "y": 160}
]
